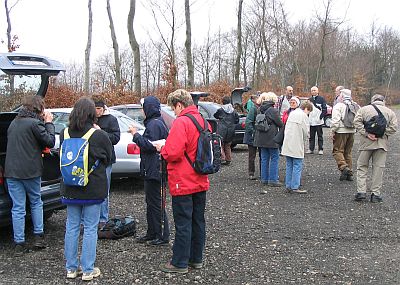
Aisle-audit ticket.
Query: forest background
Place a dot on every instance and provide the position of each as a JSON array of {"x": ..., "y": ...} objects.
[{"x": 265, "y": 51}]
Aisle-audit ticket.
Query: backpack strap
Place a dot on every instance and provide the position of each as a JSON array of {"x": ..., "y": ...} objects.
[
  {"x": 66, "y": 133},
  {"x": 199, "y": 128},
  {"x": 88, "y": 134},
  {"x": 377, "y": 109}
]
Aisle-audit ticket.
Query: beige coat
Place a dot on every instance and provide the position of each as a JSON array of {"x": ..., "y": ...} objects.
[
  {"x": 296, "y": 132},
  {"x": 338, "y": 112},
  {"x": 366, "y": 113}
]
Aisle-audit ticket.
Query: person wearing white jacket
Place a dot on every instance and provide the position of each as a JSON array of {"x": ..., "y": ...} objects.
[
  {"x": 316, "y": 118},
  {"x": 296, "y": 132},
  {"x": 343, "y": 136}
]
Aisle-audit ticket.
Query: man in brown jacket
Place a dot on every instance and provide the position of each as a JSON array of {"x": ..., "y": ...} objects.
[{"x": 372, "y": 147}]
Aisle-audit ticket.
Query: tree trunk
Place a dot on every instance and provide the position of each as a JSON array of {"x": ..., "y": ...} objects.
[
  {"x": 239, "y": 44},
  {"x": 188, "y": 45},
  {"x": 9, "y": 42},
  {"x": 115, "y": 47},
  {"x": 88, "y": 49},
  {"x": 135, "y": 48}
]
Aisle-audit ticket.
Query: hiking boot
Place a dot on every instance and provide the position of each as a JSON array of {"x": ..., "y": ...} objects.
[
  {"x": 274, "y": 183},
  {"x": 39, "y": 242},
  {"x": 158, "y": 242},
  {"x": 169, "y": 268},
  {"x": 360, "y": 196},
  {"x": 299, "y": 191},
  {"x": 20, "y": 249},
  {"x": 144, "y": 239},
  {"x": 309, "y": 151},
  {"x": 252, "y": 177},
  {"x": 89, "y": 276},
  {"x": 196, "y": 265},
  {"x": 321, "y": 152},
  {"x": 227, "y": 162},
  {"x": 345, "y": 173},
  {"x": 350, "y": 177},
  {"x": 376, "y": 198},
  {"x": 72, "y": 274}
]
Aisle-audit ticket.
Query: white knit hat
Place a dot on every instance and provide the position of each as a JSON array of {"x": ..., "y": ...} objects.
[{"x": 294, "y": 98}]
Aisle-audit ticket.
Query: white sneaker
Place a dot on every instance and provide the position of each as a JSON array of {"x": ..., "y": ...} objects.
[
  {"x": 89, "y": 276},
  {"x": 72, "y": 274},
  {"x": 309, "y": 151},
  {"x": 321, "y": 152}
]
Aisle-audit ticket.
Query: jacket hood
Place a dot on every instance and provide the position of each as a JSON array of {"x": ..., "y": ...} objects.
[
  {"x": 266, "y": 105},
  {"x": 228, "y": 108},
  {"x": 151, "y": 107}
]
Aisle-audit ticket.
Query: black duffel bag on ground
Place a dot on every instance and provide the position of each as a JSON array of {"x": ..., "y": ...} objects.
[{"x": 118, "y": 227}]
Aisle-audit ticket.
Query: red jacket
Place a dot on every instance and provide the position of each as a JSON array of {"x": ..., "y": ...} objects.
[{"x": 183, "y": 136}]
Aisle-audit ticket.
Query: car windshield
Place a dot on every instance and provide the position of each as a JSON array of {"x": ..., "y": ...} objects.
[
  {"x": 13, "y": 88},
  {"x": 60, "y": 121}
]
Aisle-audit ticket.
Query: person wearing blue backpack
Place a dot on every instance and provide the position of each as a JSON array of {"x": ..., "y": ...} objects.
[
  {"x": 187, "y": 187},
  {"x": 156, "y": 129},
  {"x": 84, "y": 202}
]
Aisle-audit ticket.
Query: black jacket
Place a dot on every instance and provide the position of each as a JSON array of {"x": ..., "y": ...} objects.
[
  {"x": 226, "y": 124},
  {"x": 265, "y": 139},
  {"x": 27, "y": 137},
  {"x": 320, "y": 103},
  {"x": 109, "y": 124},
  {"x": 156, "y": 129},
  {"x": 100, "y": 148}
]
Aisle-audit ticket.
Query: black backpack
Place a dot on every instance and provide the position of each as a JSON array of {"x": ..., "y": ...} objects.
[
  {"x": 377, "y": 124},
  {"x": 261, "y": 123},
  {"x": 118, "y": 227},
  {"x": 208, "y": 154}
]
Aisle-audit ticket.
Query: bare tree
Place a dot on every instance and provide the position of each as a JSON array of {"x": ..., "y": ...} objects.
[
  {"x": 328, "y": 26},
  {"x": 135, "y": 48},
  {"x": 239, "y": 43},
  {"x": 88, "y": 49},
  {"x": 188, "y": 45},
  {"x": 115, "y": 46}
]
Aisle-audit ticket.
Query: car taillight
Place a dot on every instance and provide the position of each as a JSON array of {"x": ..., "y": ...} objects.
[
  {"x": 243, "y": 125},
  {"x": 132, "y": 148},
  {"x": 1, "y": 176}
]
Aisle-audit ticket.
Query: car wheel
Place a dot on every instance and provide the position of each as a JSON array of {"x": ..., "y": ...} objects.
[{"x": 328, "y": 121}]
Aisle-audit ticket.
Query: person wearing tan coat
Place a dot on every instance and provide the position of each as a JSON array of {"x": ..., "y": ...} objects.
[{"x": 372, "y": 148}]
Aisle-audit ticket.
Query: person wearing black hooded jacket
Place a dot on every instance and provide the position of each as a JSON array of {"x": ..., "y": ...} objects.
[{"x": 156, "y": 129}]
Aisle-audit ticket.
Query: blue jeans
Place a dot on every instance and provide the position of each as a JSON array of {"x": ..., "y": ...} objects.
[
  {"x": 90, "y": 217},
  {"x": 269, "y": 164},
  {"x": 190, "y": 229},
  {"x": 18, "y": 190},
  {"x": 294, "y": 166},
  {"x": 105, "y": 206}
]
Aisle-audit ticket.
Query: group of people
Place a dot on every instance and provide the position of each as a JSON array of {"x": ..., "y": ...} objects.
[{"x": 292, "y": 123}]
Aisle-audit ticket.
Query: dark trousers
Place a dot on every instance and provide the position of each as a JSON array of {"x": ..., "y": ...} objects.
[
  {"x": 316, "y": 130},
  {"x": 252, "y": 158},
  {"x": 152, "y": 190},
  {"x": 190, "y": 229}
]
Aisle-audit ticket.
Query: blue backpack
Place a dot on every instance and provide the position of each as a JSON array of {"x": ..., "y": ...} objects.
[
  {"x": 74, "y": 159},
  {"x": 208, "y": 155}
]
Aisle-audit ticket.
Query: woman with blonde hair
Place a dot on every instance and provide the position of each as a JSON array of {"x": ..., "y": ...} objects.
[{"x": 264, "y": 140}]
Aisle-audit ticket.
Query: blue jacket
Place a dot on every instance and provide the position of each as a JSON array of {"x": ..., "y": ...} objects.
[{"x": 156, "y": 129}]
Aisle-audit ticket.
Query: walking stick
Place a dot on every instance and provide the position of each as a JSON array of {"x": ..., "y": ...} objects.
[{"x": 163, "y": 191}]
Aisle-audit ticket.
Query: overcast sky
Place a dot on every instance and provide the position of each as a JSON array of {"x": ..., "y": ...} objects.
[{"x": 58, "y": 28}]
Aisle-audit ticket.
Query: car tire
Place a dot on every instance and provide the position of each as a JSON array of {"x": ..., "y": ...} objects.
[{"x": 328, "y": 121}]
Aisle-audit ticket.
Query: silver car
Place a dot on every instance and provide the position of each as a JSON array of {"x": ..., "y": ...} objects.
[{"x": 127, "y": 152}]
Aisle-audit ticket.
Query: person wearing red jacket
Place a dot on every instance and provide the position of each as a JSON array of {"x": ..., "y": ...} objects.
[{"x": 187, "y": 187}]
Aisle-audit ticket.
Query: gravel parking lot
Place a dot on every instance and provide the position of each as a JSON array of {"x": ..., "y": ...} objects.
[{"x": 323, "y": 237}]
